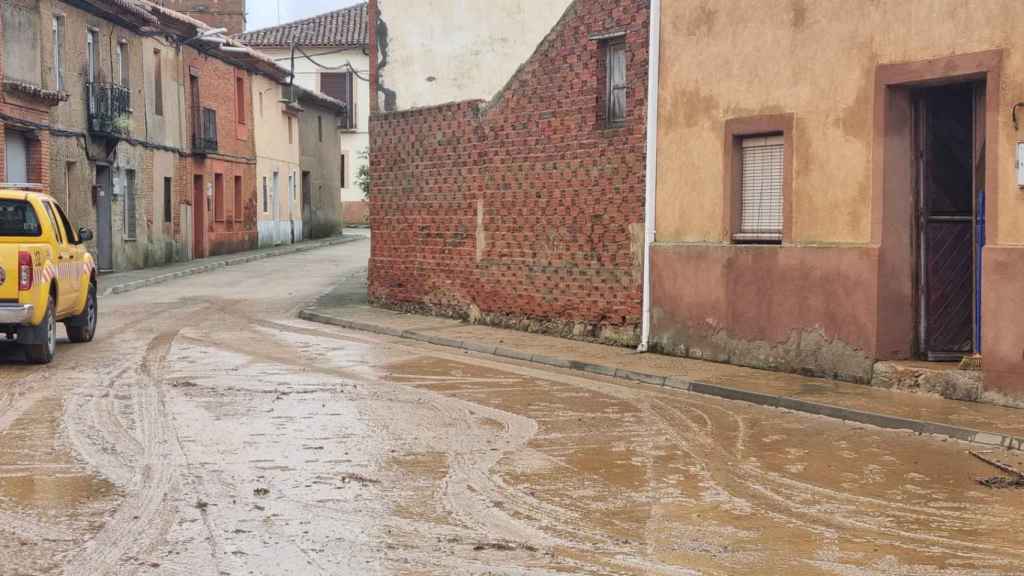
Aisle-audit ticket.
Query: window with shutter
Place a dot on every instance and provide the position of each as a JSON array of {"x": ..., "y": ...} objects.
[
  {"x": 615, "y": 96},
  {"x": 339, "y": 85},
  {"x": 762, "y": 166}
]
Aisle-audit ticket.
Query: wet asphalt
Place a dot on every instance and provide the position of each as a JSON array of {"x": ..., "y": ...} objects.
[{"x": 208, "y": 431}]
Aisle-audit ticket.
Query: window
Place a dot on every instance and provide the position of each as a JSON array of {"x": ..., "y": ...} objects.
[
  {"x": 158, "y": 84},
  {"x": 266, "y": 202},
  {"x": 69, "y": 232},
  {"x": 261, "y": 104},
  {"x": 218, "y": 197},
  {"x": 320, "y": 128},
  {"x": 18, "y": 218},
  {"x": 168, "y": 200},
  {"x": 15, "y": 156},
  {"x": 290, "y": 138},
  {"x": 91, "y": 42},
  {"x": 274, "y": 189},
  {"x": 761, "y": 180},
  {"x": 339, "y": 85},
  {"x": 130, "y": 220},
  {"x": 122, "y": 64},
  {"x": 240, "y": 99},
  {"x": 758, "y": 179},
  {"x": 344, "y": 173},
  {"x": 57, "y": 230},
  {"x": 58, "y": 52},
  {"x": 615, "y": 73},
  {"x": 238, "y": 198}
]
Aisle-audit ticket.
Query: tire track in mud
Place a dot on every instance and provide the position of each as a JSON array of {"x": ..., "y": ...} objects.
[
  {"x": 144, "y": 457},
  {"x": 834, "y": 514}
]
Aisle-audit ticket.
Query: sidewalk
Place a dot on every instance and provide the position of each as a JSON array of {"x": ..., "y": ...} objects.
[
  {"x": 982, "y": 424},
  {"x": 121, "y": 282}
]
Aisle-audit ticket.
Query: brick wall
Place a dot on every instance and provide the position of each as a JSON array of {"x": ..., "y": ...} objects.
[
  {"x": 526, "y": 211},
  {"x": 236, "y": 155}
]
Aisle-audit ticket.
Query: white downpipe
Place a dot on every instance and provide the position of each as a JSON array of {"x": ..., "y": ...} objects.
[{"x": 651, "y": 178}]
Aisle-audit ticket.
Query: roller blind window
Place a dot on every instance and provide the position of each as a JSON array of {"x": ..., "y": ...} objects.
[{"x": 761, "y": 189}]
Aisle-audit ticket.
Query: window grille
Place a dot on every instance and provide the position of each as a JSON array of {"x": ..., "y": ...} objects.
[{"x": 761, "y": 189}]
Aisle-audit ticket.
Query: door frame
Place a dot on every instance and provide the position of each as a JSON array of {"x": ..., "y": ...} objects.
[
  {"x": 893, "y": 201},
  {"x": 922, "y": 212}
]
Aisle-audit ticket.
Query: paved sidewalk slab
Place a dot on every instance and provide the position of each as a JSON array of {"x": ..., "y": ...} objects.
[
  {"x": 121, "y": 282},
  {"x": 984, "y": 424}
]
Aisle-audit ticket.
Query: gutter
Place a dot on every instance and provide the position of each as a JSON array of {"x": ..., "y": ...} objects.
[{"x": 651, "y": 177}]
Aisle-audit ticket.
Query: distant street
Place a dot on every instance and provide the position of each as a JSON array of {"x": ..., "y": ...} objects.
[{"x": 207, "y": 431}]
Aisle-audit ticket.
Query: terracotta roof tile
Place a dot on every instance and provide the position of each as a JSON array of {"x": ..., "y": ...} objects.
[{"x": 345, "y": 27}]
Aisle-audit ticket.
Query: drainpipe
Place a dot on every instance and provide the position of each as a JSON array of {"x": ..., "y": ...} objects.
[{"x": 652, "y": 167}]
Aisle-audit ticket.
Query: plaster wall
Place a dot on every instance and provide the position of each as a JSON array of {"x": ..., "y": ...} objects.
[
  {"x": 276, "y": 151},
  {"x": 816, "y": 60},
  {"x": 440, "y": 51},
  {"x": 351, "y": 142}
]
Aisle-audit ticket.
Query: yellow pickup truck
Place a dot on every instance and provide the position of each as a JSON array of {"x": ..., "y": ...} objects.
[{"x": 46, "y": 275}]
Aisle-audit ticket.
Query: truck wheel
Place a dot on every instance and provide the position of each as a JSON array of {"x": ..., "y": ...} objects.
[
  {"x": 82, "y": 328},
  {"x": 43, "y": 352}
]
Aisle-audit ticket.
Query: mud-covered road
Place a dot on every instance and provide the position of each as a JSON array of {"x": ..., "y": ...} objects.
[{"x": 208, "y": 432}]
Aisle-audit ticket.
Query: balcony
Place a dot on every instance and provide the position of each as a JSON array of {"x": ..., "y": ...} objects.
[
  {"x": 109, "y": 109},
  {"x": 204, "y": 131}
]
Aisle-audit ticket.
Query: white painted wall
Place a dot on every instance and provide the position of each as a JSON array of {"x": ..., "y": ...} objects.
[
  {"x": 307, "y": 75},
  {"x": 450, "y": 50}
]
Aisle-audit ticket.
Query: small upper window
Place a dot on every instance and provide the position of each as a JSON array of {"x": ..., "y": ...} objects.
[
  {"x": 121, "y": 68},
  {"x": 615, "y": 72},
  {"x": 58, "y": 52},
  {"x": 762, "y": 166},
  {"x": 240, "y": 98}
]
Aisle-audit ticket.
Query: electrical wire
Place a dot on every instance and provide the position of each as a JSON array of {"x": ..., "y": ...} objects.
[{"x": 346, "y": 66}]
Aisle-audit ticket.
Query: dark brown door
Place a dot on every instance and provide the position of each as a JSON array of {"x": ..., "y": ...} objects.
[
  {"x": 947, "y": 154},
  {"x": 198, "y": 217}
]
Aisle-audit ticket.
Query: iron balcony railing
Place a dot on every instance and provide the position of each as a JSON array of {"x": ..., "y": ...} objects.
[
  {"x": 109, "y": 108},
  {"x": 204, "y": 131}
]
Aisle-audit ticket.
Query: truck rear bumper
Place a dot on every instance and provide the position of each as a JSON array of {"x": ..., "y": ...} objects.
[{"x": 16, "y": 313}]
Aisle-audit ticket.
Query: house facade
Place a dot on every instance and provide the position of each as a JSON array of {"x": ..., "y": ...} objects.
[
  {"x": 320, "y": 119},
  {"x": 438, "y": 51},
  {"x": 220, "y": 165},
  {"x": 841, "y": 187},
  {"x": 524, "y": 210},
  {"x": 25, "y": 97},
  {"x": 276, "y": 133},
  {"x": 331, "y": 57}
]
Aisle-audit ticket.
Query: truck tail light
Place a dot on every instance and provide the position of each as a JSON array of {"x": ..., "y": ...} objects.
[{"x": 25, "y": 274}]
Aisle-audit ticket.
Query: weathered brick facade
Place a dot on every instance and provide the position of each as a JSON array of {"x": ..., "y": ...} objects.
[
  {"x": 526, "y": 211},
  {"x": 235, "y": 156}
]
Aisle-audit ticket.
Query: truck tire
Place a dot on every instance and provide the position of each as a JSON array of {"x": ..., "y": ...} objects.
[
  {"x": 82, "y": 328},
  {"x": 43, "y": 352}
]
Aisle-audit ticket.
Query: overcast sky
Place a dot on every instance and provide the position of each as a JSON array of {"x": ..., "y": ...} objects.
[{"x": 263, "y": 13}]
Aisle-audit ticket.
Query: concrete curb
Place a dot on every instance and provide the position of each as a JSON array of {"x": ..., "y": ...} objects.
[
  {"x": 244, "y": 258},
  {"x": 991, "y": 439}
]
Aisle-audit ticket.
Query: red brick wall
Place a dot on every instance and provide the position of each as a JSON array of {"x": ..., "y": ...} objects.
[
  {"x": 236, "y": 155},
  {"x": 526, "y": 211}
]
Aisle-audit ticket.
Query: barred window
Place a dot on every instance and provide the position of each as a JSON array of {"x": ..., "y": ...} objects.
[{"x": 761, "y": 184}]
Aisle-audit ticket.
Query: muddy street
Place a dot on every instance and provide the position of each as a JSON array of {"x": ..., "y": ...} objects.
[{"x": 208, "y": 431}]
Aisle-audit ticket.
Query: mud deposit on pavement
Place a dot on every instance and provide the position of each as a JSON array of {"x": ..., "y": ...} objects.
[{"x": 208, "y": 432}]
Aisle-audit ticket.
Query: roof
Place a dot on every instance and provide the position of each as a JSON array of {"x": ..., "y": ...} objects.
[
  {"x": 320, "y": 99},
  {"x": 241, "y": 55},
  {"x": 341, "y": 28}
]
